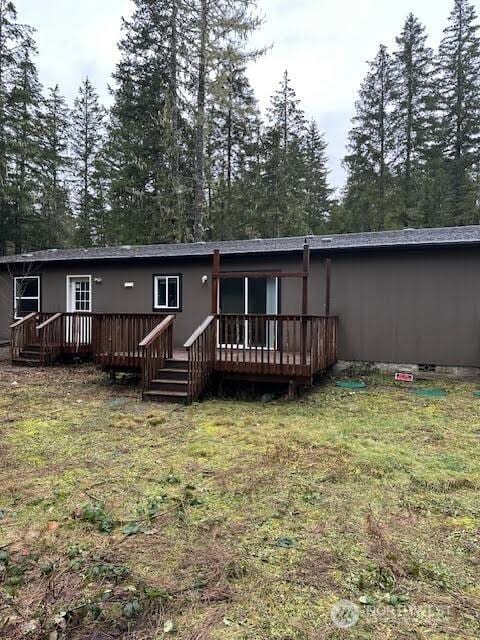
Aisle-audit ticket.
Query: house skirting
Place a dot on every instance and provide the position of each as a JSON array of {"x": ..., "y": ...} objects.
[{"x": 420, "y": 371}]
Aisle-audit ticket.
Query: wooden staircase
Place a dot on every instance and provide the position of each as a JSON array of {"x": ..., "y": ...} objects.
[
  {"x": 29, "y": 356},
  {"x": 170, "y": 383}
]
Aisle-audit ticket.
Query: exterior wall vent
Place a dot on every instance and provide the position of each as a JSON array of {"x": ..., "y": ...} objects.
[
  {"x": 327, "y": 240},
  {"x": 427, "y": 368}
]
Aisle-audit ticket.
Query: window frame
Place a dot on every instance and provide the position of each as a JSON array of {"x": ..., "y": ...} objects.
[
  {"x": 16, "y": 297},
  {"x": 168, "y": 276}
]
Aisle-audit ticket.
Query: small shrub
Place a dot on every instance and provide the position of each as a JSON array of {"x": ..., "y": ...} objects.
[{"x": 94, "y": 513}]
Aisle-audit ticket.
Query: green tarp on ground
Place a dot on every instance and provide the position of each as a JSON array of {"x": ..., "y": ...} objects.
[
  {"x": 351, "y": 384},
  {"x": 430, "y": 393}
]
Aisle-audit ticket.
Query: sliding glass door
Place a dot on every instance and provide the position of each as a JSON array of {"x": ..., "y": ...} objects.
[{"x": 249, "y": 296}]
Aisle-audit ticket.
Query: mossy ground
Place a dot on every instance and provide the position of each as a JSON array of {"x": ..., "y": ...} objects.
[{"x": 234, "y": 519}]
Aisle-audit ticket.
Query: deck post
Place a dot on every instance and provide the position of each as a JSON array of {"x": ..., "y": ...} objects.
[
  {"x": 292, "y": 390},
  {"x": 215, "y": 279},
  {"x": 328, "y": 269},
  {"x": 306, "y": 272}
]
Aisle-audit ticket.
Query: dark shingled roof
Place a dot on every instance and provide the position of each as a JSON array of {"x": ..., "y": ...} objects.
[{"x": 382, "y": 239}]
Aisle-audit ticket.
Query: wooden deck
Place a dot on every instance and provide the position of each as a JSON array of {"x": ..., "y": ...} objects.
[{"x": 251, "y": 347}]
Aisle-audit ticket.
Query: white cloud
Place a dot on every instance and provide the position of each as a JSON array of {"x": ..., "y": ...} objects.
[{"x": 325, "y": 45}]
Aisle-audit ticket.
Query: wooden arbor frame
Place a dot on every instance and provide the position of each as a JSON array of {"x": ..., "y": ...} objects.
[{"x": 217, "y": 275}]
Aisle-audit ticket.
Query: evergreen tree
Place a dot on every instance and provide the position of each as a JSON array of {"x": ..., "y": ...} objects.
[
  {"x": 53, "y": 197},
  {"x": 147, "y": 134},
  {"x": 371, "y": 142},
  {"x": 284, "y": 165},
  {"x": 11, "y": 36},
  {"x": 459, "y": 104},
  {"x": 218, "y": 30},
  {"x": 233, "y": 121},
  {"x": 87, "y": 140},
  {"x": 25, "y": 101},
  {"x": 318, "y": 194},
  {"x": 411, "y": 73}
]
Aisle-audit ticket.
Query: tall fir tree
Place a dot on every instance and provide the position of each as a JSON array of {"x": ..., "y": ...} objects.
[
  {"x": 53, "y": 197},
  {"x": 371, "y": 142},
  {"x": 233, "y": 121},
  {"x": 12, "y": 34},
  {"x": 87, "y": 142},
  {"x": 25, "y": 104},
  {"x": 284, "y": 164},
  {"x": 411, "y": 112},
  {"x": 218, "y": 31},
  {"x": 147, "y": 132},
  {"x": 459, "y": 106},
  {"x": 318, "y": 193}
]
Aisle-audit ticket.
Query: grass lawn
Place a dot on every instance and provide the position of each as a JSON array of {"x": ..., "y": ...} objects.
[{"x": 234, "y": 519}]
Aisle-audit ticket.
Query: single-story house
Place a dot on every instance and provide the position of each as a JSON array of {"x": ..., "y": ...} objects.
[{"x": 409, "y": 297}]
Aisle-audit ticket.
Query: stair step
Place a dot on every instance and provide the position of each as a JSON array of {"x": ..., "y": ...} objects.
[
  {"x": 171, "y": 363},
  {"x": 168, "y": 385},
  {"x": 166, "y": 396},
  {"x": 26, "y": 362},
  {"x": 173, "y": 374},
  {"x": 27, "y": 353},
  {"x": 33, "y": 347}
]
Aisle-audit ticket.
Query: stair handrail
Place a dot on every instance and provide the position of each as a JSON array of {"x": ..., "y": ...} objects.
[
  {"x": 52, "y": 338},
  {"x": 18, "y": 323},
  {"x": 201, "y": 350},
  {"x": 155, "y": 348},
  {"x": 20, "y": 329},
  {"x": 49, "y": 320}
]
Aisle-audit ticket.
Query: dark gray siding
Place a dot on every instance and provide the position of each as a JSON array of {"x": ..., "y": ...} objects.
[
  {"x": 409, "y": 307},
  {"x": 404, "y": 306},
  {"x": 6, "y": 303}
]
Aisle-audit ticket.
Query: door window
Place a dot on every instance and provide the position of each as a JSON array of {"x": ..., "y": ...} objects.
[
  {"x": 82, "y": 295},
  {"x": 248, "y": 296}
]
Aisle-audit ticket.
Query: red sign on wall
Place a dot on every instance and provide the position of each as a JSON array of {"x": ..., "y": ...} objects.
[{"x": 401, "y": 376}]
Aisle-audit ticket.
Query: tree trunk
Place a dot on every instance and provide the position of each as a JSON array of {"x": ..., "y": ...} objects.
[
  {"x": 198, "y": 212},
  {"x": 175, "y": 150}
]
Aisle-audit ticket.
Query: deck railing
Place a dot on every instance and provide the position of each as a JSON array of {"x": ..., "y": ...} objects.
[
  {"x": 116, "y": 337},
  {"x": 286, "y": 345},
  {"x": 201, "y": 350},
  {"x": 77, "y": 332},
  {"x": 24, "y": 334},
  {"x": 51, "y": 338},
  {"x": 155, "y": 348},
  {"x": 323, "y": 347}
]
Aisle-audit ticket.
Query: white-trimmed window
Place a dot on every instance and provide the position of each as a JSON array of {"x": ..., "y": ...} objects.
[
  {"x": 26, "y": 296},
  {"x": 167, "y": 292}
]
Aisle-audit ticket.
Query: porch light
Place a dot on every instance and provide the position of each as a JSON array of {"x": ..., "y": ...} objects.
[
  {"x": 98, "y": 280},
  {"x": 204, "y": 279}
]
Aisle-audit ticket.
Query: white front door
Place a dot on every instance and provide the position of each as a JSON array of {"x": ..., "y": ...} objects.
[
  {"x": 79, "y": 294},
  {"x": 79, "y": 300}
]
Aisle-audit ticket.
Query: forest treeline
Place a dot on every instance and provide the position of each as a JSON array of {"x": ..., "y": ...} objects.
[{"x": 183, "y": 153}]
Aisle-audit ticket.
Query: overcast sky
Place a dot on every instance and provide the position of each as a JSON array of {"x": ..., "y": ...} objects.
[{"x": 324, "y": 44}]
